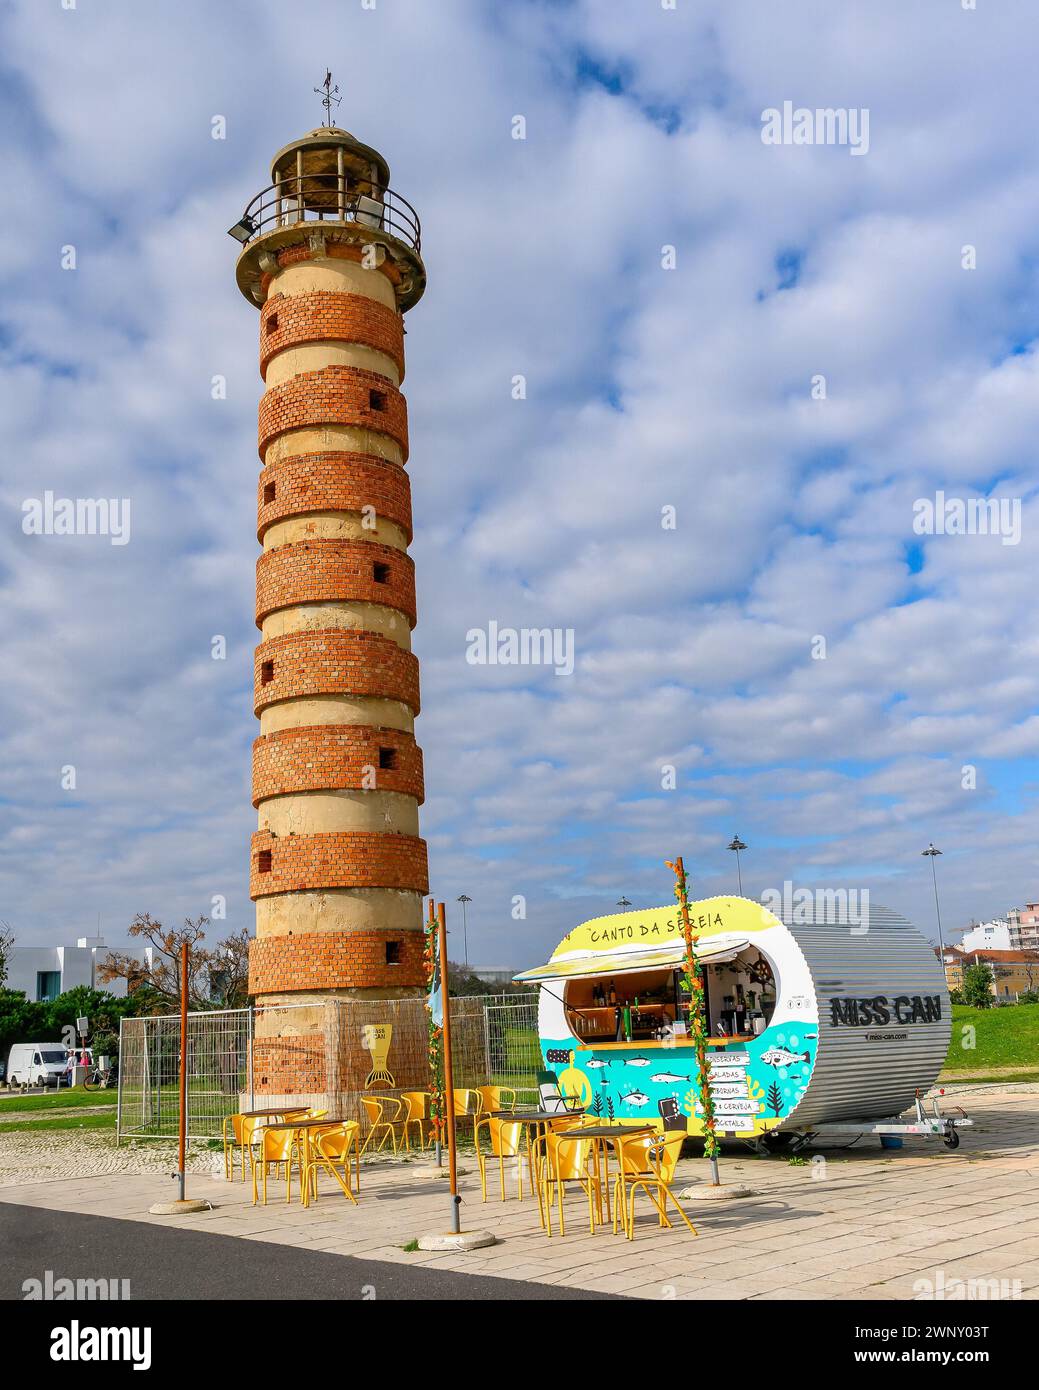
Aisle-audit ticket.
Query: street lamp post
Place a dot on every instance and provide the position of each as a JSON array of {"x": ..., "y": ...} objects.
[
  {"x": 931, "y": 853},
  {"x": 464, "y": 900},
  {"x": 736, "y": 845}
]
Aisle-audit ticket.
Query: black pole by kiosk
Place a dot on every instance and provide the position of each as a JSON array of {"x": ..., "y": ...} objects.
[{"x": 449, "y": 1089}]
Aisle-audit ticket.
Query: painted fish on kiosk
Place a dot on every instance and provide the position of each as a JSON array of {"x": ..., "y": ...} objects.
[
  {"x": 636, "y": 1099},
  {"x": 780, "y": 1057}
]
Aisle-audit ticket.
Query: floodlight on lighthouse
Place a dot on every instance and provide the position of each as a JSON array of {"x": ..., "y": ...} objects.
[{"x": 243, "y": 229}]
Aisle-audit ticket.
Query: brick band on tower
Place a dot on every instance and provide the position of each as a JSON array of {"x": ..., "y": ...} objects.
[{"x": 338, "y": 870}]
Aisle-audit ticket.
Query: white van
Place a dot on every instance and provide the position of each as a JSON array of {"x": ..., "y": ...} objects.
[{"x": 36, "y": 1064}]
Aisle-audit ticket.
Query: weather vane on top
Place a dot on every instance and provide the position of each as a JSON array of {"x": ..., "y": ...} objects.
[{"x": 329, "y": 97}]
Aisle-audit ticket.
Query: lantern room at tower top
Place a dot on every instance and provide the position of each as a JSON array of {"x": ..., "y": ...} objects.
[{"x": 340, "y": 187}]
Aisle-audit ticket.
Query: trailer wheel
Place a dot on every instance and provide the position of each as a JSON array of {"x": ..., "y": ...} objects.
[
  {"x": 775, "y": 1141},
  {"x": 951, "y": 1140}
]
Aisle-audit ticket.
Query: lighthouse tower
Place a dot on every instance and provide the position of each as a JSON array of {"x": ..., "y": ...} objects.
[{"x": 331, "y": 257}]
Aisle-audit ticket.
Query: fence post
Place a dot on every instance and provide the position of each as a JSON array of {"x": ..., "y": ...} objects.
[
  {"x": 182, "y": 1133},
  {"x": 119, "y": 1087},
  {"x": 252, "y": 1070}
]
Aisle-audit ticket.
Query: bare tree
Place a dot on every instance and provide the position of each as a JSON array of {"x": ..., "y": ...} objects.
[
  {"x": 6, "y": 942},
  {"x": 229, "y": 970},
  {"x": 223, "y": 971}
]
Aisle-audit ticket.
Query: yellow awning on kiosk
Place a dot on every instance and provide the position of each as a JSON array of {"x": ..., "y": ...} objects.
[{"x": 713, "y": 950}]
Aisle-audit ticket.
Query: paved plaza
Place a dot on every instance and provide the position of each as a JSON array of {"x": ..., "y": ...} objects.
[{"x": 843, "y": 1224}]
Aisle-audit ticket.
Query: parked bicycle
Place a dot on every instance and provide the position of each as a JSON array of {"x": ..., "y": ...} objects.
[{"x": 101, "y": 1078}]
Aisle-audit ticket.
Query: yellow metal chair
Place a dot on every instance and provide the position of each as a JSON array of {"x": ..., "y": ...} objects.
[
  {"x": 386, "y": 1115},
  {"x": 330, "y": 1150},
  {"x": 646, "y": 1161},
  {"x": 567, "y": 1158},
  {"x": 507, "y": 1140},
  {"x": 418, "y": 1115},
  {"x": 495, "y": 1098},
  {"x": 278, "y": 1146},
  {"x": 467, "y": 1104},
  {"x": 252, "y": 1131},
  {"x": 232, "y": 1131}
]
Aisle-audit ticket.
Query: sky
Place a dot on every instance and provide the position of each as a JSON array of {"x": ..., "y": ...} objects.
[{"x": 745, "y": 365}]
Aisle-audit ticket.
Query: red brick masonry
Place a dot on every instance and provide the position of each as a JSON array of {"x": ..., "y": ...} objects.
[
  {"x": 333, "y": 757},
  {"x": 334, "y": 960},
  {"x": 334, "y": 396},
  {"x": 339, "y": 859},
  {"x": 330, "y": 571},
  {"x": 335, "y": 481},
  {"x": 329, "y": 316},
  {"x": 334, "y": 661},
  {"x": 288, "y": 1066}
]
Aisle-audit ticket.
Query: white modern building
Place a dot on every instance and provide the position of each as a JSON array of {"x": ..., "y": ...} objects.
[
  {"x": 1017, "y": 931},
  {"x": 997, "y": 935},
  {"x": 44, "y": 972}
]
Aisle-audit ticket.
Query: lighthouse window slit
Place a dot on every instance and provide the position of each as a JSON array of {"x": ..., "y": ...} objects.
[
  {"x": 381, "y": 573},
  {"x": 387, "y": 758},
  {"x": 393, "y": 953},
  {"x": 263, "y": 861},
  {"x": 266, "y": 672},
  {"x": 377, "y": 400},
  {"x": 269, "y": 492},
  {"x": 272, "y": 324}
]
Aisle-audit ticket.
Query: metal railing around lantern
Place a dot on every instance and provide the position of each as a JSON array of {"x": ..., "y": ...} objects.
[{"x": 330, "y": 198}]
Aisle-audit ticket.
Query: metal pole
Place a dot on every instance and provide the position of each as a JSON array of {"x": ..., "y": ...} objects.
[
  {"x": 736, "y": 845},
  {"x": 937, "y": 911},
  {"x": 449, "y": 1087},
  {"x": 183, "y": 1124},
  {"x": 931, "y": 853}
]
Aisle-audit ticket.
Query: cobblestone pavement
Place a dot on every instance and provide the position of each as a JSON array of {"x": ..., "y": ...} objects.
[
  {"x": 30, "y": 1156},
  {"x": 847, "y": 1223}
]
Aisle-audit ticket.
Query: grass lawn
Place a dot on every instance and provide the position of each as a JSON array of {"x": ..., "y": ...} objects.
[
  {"x": 68, "y": 1123},
  {"x": 65, "y": 1099},
  {"x": 984, "y": 1040}
]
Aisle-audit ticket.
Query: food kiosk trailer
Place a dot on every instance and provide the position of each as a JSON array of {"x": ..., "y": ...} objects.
[{"x": 813, "y": 1024}]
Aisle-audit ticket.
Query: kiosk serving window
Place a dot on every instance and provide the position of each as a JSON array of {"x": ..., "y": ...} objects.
[{"x": 647, "y": 1005}]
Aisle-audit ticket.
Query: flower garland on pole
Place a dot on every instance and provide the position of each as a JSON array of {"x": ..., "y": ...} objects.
[
  {"x": 697, "y": 1018},
  {"x": 434, "y": 1007}
]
